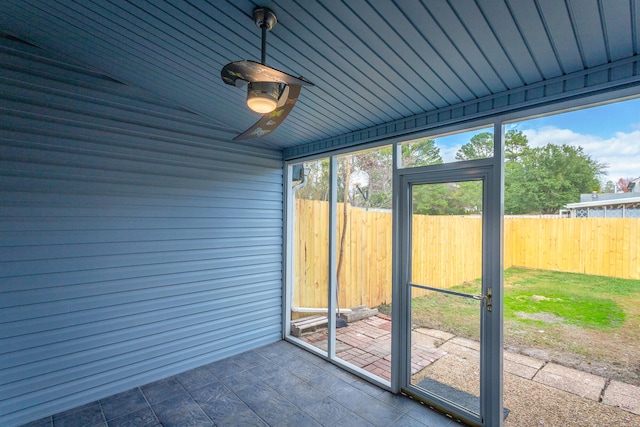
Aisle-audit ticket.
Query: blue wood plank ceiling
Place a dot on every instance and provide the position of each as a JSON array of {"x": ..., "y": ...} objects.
[{"x": 372, "y": 62}]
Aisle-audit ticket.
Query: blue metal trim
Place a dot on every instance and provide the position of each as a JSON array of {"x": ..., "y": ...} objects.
[{"x": 608, "y": 77}]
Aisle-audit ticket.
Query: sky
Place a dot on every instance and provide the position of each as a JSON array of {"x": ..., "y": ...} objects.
[{"x": 608, "y": 133}]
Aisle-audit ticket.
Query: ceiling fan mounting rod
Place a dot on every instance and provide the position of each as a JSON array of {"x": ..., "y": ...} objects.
[
  {"x": 263, "y": 56},
  {"x": 265, "y": 19}
]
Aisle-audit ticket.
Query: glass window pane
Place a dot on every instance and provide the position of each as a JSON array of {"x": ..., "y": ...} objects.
[
  {"x": 363, "y": 251},
  {"x": 468, "y": 145},
  {"x": 446, "y": 254},
  {"x": 310, "y": 188}
]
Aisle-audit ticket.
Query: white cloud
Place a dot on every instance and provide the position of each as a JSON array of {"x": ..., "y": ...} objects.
[
  {"x": 448, "y": 153},
  {"x": 621, "y": 151}
]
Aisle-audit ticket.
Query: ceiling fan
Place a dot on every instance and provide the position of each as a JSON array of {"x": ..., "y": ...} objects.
[{"x": 270, "y": 92}]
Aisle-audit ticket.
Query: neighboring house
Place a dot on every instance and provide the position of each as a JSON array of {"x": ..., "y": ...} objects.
[
  {"x": 606, "y": 205},
  {"x": 634, "y": 185}
]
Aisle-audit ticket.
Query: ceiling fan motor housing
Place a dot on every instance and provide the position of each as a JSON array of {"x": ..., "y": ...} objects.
[
  {"x": 262, "y": 97},
  {"x": 264, "y": 18}
]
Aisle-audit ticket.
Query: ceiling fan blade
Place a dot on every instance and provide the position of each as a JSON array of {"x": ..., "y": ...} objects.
[
  {"x": 251, "y": 71},
  {"x": 272, "y": 120}
]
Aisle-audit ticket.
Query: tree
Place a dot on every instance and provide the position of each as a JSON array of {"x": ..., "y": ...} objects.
[
  {"x": 608, "y": 187},
  {"x": 515, "y": 145},
  {"x": 480, "y": 146},
  {"x": 623, "y": 185},
  {"x": 421, "y": 153},
  {"x": 546, "y": 178},
  {"x": 537, "y": 180},
  {"x": 377, "y": 164},
  {"x": 317, "y": 183},
  {"x": 427, "y": 199},
  {"x": 430, "y": 199},
  {"x": 450, "y": 198}
]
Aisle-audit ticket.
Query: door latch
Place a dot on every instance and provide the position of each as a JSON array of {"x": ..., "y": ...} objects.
[{"x": 486, "y": 298}]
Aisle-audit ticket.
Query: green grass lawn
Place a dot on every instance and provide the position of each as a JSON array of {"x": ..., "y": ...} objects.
[
  {"x": 568, "y": 298},
  {"x": 537, "y": 297}
]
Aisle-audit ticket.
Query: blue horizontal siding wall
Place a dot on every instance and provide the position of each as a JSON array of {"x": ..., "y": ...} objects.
[{"x": 136, "y": 242}]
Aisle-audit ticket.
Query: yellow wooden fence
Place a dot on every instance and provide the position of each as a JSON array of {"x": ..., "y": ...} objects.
[
  {"x": 447, "y": 250},
  {"x": 598, "y": 246}
]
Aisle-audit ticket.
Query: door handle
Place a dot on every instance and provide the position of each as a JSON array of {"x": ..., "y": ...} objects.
[{"x": 486, "y": 298}]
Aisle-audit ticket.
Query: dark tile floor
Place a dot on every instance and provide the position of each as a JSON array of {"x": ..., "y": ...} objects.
[{"x": 276, "y": 385}]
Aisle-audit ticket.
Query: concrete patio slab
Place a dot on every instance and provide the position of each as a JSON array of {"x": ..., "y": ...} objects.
[
  {"x": 536, "y": 404},
  {"x": 454, "y": 371},
  {"x": 522, "y": 366},
  {"x": 461, "y": 350},
  {"x": 521, "y": 359},
  {"x": 571, "y": 380},
  {"x": 475, "y": 345},
  {"x": 441, "y": 335},
  {"x": 624, "y": 396},
  {"x": 519, "y": 370},
  {"x": 427, "y": 340}
]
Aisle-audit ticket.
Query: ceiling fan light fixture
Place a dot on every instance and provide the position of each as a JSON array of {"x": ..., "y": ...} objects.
[
  {"x": 262, "y": 97},
  {"x": 270, "y": 92}
]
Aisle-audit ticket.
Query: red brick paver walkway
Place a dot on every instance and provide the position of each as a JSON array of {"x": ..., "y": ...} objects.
[{"x": 367, "y": 344}]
